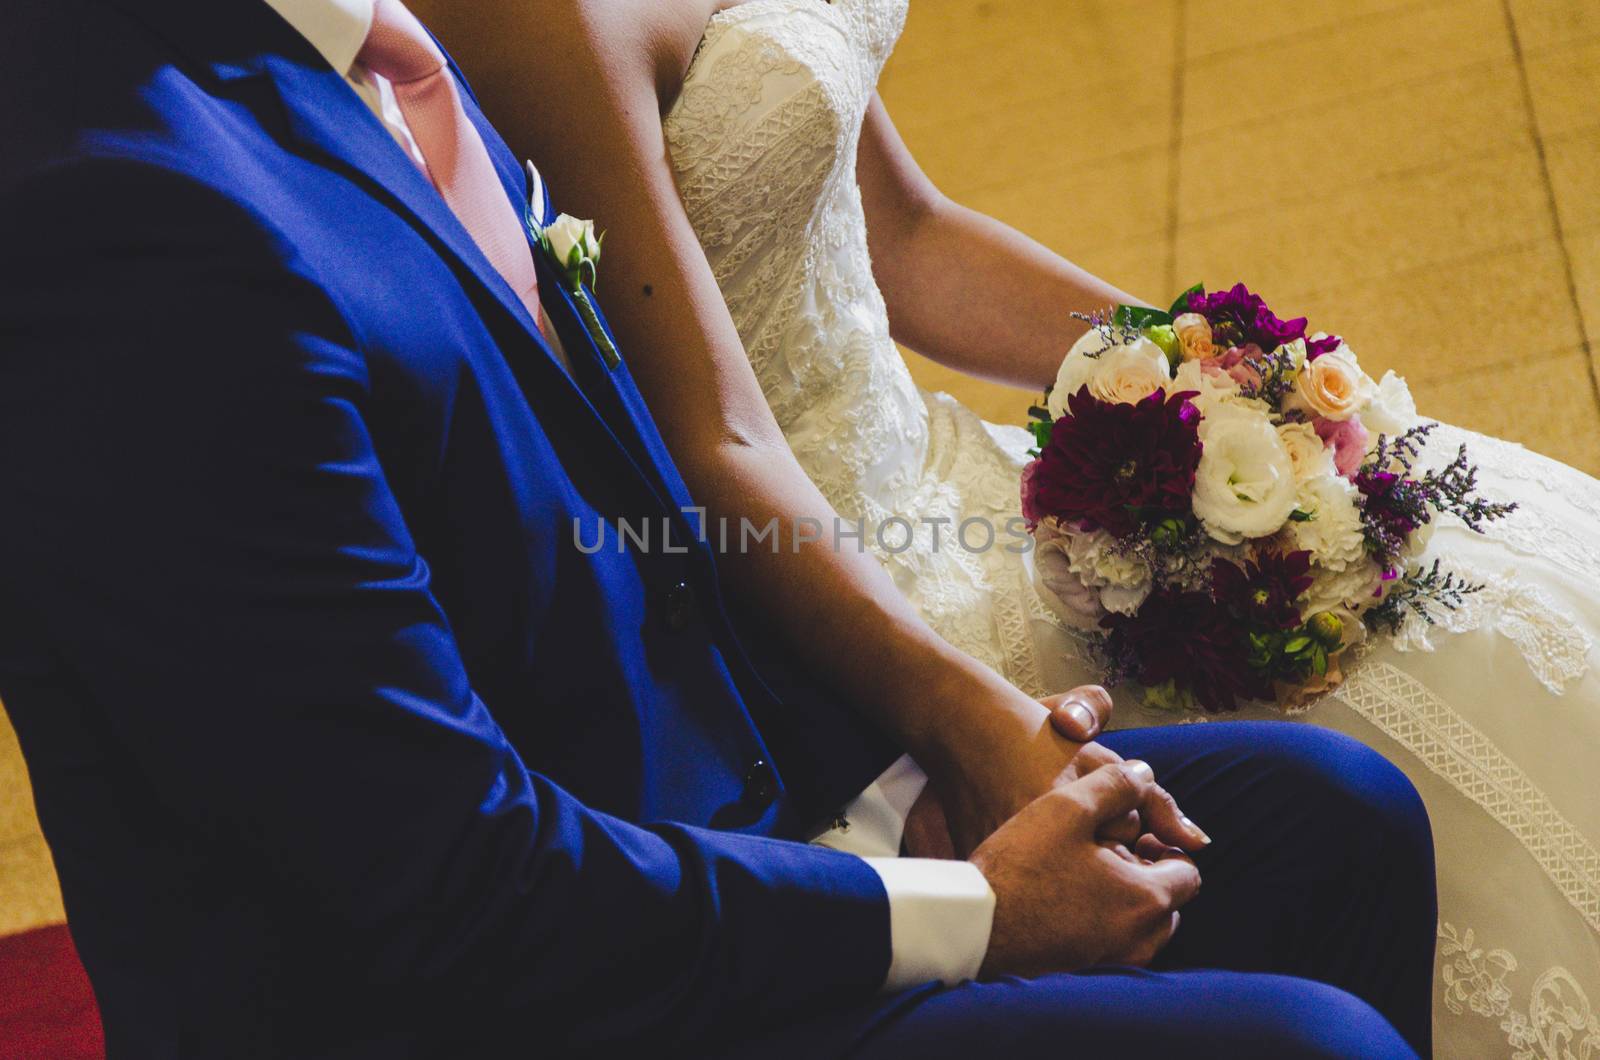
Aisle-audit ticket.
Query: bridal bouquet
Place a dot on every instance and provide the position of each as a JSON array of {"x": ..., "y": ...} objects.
[{"x": 1228, "y": 504}]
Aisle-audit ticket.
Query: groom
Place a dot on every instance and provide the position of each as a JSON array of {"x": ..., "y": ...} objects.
[{"x": 345, "y": 750}]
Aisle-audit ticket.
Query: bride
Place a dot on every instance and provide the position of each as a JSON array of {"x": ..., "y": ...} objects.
[{"x": 771, "y": 239}]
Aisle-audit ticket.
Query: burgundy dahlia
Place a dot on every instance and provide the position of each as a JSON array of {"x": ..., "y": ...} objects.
[
  {"x": 1263, "y": 591},
  {"x": 1191, "y": 640},
  {"x": 1238, "y": 316},
  {"x": 1114, "y": 466}
]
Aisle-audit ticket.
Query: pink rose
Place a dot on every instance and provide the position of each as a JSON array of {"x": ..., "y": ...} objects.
[
  {"x": 1240, "y": 364},
  {"x": 1348, "y": 439}
]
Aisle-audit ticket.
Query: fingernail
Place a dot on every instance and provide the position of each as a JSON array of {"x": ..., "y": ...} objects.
[
  {"x": 1139, "y": 770},
  {"x": 1197, "y": 830},
  {"x": 1083, "y": 716}
]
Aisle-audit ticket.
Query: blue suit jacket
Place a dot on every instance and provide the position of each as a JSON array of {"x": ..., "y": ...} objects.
[{"x": 342, "y": 746}]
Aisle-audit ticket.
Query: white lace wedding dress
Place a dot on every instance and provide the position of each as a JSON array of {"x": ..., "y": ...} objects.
[{"x": 1497, "y": 721}]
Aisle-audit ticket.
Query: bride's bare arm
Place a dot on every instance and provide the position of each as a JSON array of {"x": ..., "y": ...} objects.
[
  {"x": 585, "y": 104},
  {"x": 961, "y": 287}
]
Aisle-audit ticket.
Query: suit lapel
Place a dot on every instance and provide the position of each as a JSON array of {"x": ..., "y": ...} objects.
[{"x": 238, "y": 39}]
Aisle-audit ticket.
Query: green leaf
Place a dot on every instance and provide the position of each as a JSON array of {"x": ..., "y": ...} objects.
[
  {"x": 1138, "y": 316},
  {"x": 1295, "y": 645},
  {"x": 1041, "y": 432},
  {"x": 1298, "y": 516},
  {"x": 1180, "y": 305},
  {"x": 1319, "y": 662}
]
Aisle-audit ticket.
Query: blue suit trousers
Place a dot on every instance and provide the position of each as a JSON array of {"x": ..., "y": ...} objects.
[{"x": 1312, "y": 936}]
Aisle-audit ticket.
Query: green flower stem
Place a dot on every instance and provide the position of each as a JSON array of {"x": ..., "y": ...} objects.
[{"x": 591, "y": 321}]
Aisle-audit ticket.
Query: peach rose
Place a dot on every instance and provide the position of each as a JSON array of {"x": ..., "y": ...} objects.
[
  {"x": 1330, "y": 387},
  {"x": 1194, "y": 337}
]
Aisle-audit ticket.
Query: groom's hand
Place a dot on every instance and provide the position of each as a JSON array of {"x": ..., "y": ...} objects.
[
  {"x": 952, "y": 818},
  {"x": 1068, "y": 898}
]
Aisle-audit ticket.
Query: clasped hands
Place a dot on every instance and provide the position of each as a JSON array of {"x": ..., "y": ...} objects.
[{"x": 1087, "y": 855}]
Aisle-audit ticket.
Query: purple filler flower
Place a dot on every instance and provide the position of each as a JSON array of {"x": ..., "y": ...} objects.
[
  {"x": 1238, "y": 316},
  {"x": 1114, "y": 466}
]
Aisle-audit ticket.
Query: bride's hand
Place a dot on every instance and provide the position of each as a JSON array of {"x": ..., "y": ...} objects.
[{"x": 951, "y": 819}]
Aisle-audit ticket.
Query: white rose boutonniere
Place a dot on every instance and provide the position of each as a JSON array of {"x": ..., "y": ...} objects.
[
  {"x": 574, "y": 249},
  {"x": 573, "y": 245}
]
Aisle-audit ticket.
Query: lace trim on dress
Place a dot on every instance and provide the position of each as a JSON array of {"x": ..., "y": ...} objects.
[
  {"x": 1557, "y": 1020},
  {"x": 1412, "y": 715},
  {"x": 1552, "y": 642}
]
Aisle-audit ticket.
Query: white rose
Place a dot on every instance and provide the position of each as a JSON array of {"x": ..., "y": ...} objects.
[
  {"x": 1333, "y": 535},
  {"x": 572, "y": 242},
  {"x": 1392, "y": 410},
  {"x": 1310, "y": 457},
  {"x": 1127, "y": 375},
  {"x": 1353, "y": 587},
  {"x": 1122, "y": 373},
  {"x": 1123, "y": 580},
  {"x": 1244, "y": 487}
]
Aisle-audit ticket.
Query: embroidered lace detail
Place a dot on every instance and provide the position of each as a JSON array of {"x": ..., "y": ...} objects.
[
  {"x": 1557, "y": 1021},
  {"x": 1531, "y": 531},
  {"x": 1555, "y": 646},
  {"x": 763, "y": 143},
  {"x": 1427, "y": 726}
]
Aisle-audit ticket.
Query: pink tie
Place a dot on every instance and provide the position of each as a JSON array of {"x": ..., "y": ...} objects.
[{"x": 399, "y": 50}]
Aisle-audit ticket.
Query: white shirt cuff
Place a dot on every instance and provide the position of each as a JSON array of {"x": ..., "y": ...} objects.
[
  {"x": 940, "y": 916},
  {"x": 940, "y": 912}
]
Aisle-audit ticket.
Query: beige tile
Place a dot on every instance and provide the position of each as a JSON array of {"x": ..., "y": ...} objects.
[
  {"x": 1019, "y": 138},
  {"x": 1089, "y": 39},
  {"x": 1123, "y": 199},
  {"x": 1543, "y": 24},
  {"x": 1213, "y": 26},
  {"x": 17, "y": 818},
  {"x": 1470, "y": 208},
  {"x": 1558, "y": 386},
  {"x": 1320, "y": 151},
  {"x": 1574, "y": 161},
  {"x": 1412, "y": 44},
  {"x": 1565, "y": 85},
  {"x": 1584, "y": 250},
  {"x": 1025, "y": 98},
  {"x": 1440, "y": 321},
  {"x": 30, "y": 897}
]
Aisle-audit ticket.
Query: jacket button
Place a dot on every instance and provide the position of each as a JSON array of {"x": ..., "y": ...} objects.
[
  {"x": 760, "y": 783},
  {"x": 680, "y": 608}
]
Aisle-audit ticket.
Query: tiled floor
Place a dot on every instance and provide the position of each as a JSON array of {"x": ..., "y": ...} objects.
[{"x": 1423, "y": 177}]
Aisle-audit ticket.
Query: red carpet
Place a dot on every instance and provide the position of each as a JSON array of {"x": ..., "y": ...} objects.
[{"x": 47, "y": 1010}]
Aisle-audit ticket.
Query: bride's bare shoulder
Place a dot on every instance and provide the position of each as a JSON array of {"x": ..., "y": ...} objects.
[{"x": 617, "y": 39}]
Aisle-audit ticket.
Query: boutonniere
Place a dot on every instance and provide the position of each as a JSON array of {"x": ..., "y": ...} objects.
[{"x": 574, "y": 249}]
